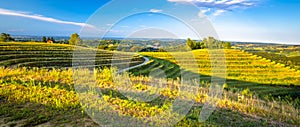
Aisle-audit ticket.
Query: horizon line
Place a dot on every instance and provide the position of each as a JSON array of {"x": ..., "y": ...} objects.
[{"x": 119, "y": 37}]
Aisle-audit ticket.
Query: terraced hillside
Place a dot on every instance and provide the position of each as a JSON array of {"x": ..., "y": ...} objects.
[
  {"x": 293, "y": 60},
  {"x": 43, "y": 97},
  {"x": 170, "y": 69},
  {"x": 26, "y": 54},
  {"x": 48, "y": 97},
  {"x": 243, "y": 70}
]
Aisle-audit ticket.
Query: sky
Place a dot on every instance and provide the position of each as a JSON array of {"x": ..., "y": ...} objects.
[{"x": 275, "y": 21}]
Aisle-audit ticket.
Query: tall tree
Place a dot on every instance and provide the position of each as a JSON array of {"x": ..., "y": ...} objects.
[
  {"x": 190, "y": 43},
  {"x": 212, "y": 43},
  {"x": 204, "y": 43},
  {"x": 52, "y": 39},
  {"x": 227, "y": 45},
  {"x": 75, "y": 39},
  {"x": 44, "y": 39},
  {"x": 4, "y": 37}
]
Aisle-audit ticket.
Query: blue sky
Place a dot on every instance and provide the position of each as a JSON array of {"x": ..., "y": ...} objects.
[{"x": 235, "y": 20}]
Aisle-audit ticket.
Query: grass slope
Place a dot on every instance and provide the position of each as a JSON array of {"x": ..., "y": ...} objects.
[
  {"x": 47, "y": 97},
  {"x": 31, "y": 54},
  {"x": 243, "y": 70}
]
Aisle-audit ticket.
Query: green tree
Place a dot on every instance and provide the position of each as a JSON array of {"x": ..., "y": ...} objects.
[
  {"x": 75, "y": 39},
  {"x": 53, "y": 40},
  {"x": 227, "y": 45},
  {"x": 44, "y": 39},
  {"x": 190, "y": 43},
  {"x": 4, "y": 37},
  {"x": 204, "y": 43},
  {"x": 212, "y": 43},
  {"x": 198, "y": 45},
  {"x": 112, "y": 47}
]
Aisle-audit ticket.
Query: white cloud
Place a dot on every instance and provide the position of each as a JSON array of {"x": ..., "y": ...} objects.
[
  {"x": 218, "y": 12},
  {"x": 231, "y": 2},
  {"x": 219, "y": 4},
  {"x": 155, "y": 10},
  {"x": 41, "y": 18},
  {"x": 180, "y": 0},
  {"x": 217, "y": 7},
  {"x": 203, "y": 12},
  {"x": 221, "y": 1}
]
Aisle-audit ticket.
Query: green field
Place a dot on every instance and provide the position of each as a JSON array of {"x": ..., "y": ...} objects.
[
  {"x": 243, "y": 70},
  {"x": 32, "y": 54},
  {"x": 37, "y": 87}
]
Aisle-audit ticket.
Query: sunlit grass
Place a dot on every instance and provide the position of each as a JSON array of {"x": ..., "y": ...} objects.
[
  {"x": 60, "y": 98},
  {"x": 32, "y": 96},
  {"x": 239, "y": 66}
]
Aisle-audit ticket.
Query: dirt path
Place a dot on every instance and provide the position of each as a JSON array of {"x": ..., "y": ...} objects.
[{"x": 136, "y": 66}]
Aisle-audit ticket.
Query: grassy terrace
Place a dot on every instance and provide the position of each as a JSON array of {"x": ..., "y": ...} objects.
[
  {"x": 31, "y": 94},
  {"x": 243, "y": 70},
  {"x": 41, "y": 97},
  {"x": 59, "y": 55}
]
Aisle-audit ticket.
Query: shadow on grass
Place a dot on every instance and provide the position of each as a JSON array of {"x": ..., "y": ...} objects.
[
  {"x": 32, "y": 114},
  {"x": 271, "y": 90},
  {"x": 50, "y": 84}
]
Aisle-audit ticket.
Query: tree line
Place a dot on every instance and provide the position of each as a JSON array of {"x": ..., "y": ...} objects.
[
  {"x": 209, "y": 42},
  {"x": 75, "y": 39},
  {"x": 4, "y": 37}
]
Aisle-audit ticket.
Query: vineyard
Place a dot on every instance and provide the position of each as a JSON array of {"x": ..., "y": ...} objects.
[
  {"x": 59, "y": 56},
  {"x": 243, "y": 70},
  {"x": 37, "y": 87},
  {"x": 292, "y": 61}
]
